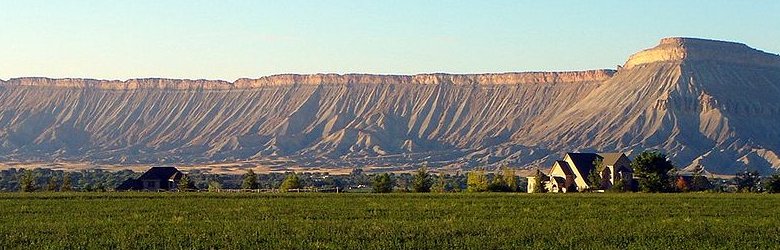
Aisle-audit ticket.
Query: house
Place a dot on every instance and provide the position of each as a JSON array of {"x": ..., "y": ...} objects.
[
  {"x": 571, "y": 173},
  {"x": 692, "y": 182},
  {"x": 154, "y": 179}
]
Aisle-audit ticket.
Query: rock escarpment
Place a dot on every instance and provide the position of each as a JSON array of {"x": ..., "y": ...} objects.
[
  {"x": 705, "y": 102},
  {"x": 675, "y": 49},
  {"x": 317, "y": 79}
]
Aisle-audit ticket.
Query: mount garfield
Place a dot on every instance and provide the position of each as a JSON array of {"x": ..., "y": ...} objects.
[{"x": 705, "y": 103}]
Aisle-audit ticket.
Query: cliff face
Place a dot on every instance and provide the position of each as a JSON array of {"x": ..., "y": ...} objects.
[
  {"x": 705, "y": 102},
  {"x": 318, "y": 79}
]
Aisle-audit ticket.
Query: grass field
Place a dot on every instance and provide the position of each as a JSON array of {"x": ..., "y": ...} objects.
[{"x": 372, "y": 221}]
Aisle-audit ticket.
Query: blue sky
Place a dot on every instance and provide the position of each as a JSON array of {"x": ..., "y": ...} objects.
[{"x": 231, "y": 39}]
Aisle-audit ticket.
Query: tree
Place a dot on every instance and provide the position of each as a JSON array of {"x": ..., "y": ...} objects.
[
  {"x": 291, "y": 181},
  {"x": 250, "y": 180},
  {"x": 358, "y": 177},
  {"x": 594, "y": 176},
  {"x": 477, "y": 181},
  {"x": 441, "y": 185},
  {"x": 498, "y": 184},
  {"x": 594, "y": 179},
  {"x": 382, "y": 183},
  {"x": 51, "y": 186},
  {"x": 652, "y": 170},
  {"x": 185, "y": 183},
  {"x": 538, "y": 184},
  {"x": 403, "y": 182},
  {"x": 747, "y": 181},
  {"x": 27, "y": 181},
  {"x": 422, "y": 181},
  {"x": 510, "y": 177},
  {"x": 772, "y": 184},
  {"x": 66, "y": 183}
]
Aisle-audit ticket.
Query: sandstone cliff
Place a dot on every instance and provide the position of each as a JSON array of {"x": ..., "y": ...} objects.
[{"x": 705, "y": 102}]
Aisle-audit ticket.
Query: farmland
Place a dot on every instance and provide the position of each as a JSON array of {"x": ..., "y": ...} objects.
[{"x": 373, "y": 221}]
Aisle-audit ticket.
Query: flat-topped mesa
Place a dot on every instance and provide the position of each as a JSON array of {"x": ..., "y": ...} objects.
[
  {"x": 456, "y": 79},
  {"x": 316, "y": 79},
  {"x": 695, "y": 49}
]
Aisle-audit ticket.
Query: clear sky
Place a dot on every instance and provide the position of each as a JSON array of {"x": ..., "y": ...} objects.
[{"x": 225, "y": 39}]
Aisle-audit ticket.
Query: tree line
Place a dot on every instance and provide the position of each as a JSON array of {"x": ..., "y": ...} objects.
[
  {"x": 422, "y": 181},
  {"x": 652, "y": 170}
]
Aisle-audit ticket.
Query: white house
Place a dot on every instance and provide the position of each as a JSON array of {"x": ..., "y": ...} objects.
[{"x": 572, "y": 172}]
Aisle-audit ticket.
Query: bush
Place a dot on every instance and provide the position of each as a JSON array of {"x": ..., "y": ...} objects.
[{"x": 620, "y": 186}]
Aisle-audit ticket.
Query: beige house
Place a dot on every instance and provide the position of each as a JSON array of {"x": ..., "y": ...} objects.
[{"x": 571, "y": 173}]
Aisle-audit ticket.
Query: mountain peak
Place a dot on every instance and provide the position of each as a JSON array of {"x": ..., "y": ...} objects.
[{"x": 677, "y": 49}]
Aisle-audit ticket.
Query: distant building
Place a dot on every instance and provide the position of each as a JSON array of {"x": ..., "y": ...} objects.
[
  {"x": 571, "y": 173},
  {"x": 154, "y": 179},
  {"x": 692, "y": 182}
]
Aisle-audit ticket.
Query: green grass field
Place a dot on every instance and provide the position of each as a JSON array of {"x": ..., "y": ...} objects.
[{"x": 373, "y": 221}]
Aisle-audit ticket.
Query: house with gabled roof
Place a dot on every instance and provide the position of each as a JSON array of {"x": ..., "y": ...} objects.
[
  {"x": 154, "y": 179},
  {"x": 571, "y": 173}
]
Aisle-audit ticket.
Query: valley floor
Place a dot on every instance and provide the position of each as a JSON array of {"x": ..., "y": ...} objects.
[{"x": 388, "y": 221}]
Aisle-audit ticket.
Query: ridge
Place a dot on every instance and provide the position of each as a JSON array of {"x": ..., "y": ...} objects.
[{"x": 316, "y": 79}]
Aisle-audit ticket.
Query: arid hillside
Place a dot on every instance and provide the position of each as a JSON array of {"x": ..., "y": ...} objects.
[{"x": 707, "y": 103}]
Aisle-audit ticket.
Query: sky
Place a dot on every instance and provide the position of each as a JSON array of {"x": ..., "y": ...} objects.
[{"x": 230, "y": 39}]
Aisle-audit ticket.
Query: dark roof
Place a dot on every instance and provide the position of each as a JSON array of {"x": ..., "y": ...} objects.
[
  {"x": 689, "y": 177},
  {"x": 161, "y": 173},
  {"x": 583, "y": 162},
  {"x": 610, "y": 159},
  {"x": 565, "y": 167},
  {"x": 130, "y": 184}
]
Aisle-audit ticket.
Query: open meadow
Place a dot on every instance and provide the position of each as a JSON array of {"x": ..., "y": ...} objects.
[{"x": 382, "y": 221}]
